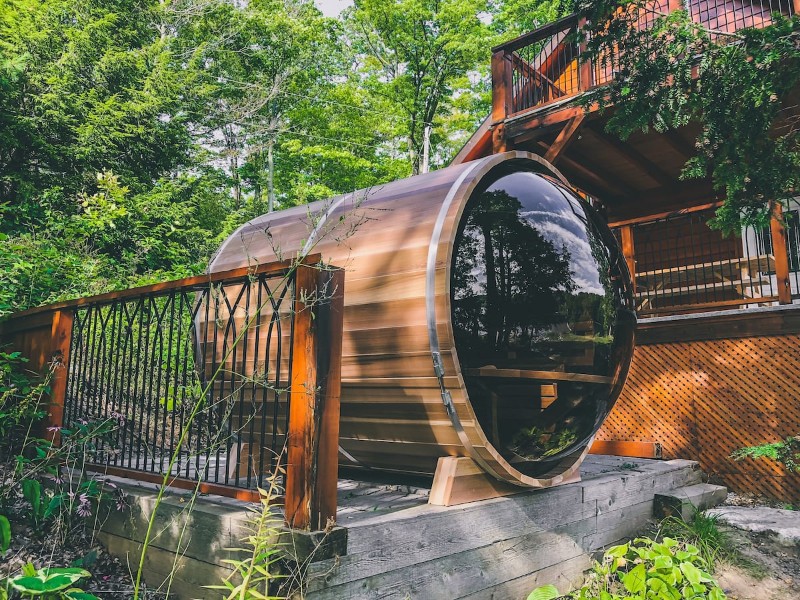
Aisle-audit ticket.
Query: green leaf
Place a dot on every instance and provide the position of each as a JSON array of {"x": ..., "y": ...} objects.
[
  {"x": 78, "y": 594},
  {"x": 662, "y": 562},
  {"x": 545, "y": 592},
  {"x": 617, "y": 551},
  {"x": 693, "y": 574},
  {"x": 634, "y": 580},
  {"x": 5, "y": 533},
  {"x": 716, "y": 594}
]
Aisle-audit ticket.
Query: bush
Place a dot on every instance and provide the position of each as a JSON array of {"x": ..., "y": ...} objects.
[{"x": 644, "y": 569}]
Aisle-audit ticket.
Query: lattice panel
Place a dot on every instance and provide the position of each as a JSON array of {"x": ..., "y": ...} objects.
[{"x": 703, "y": 400}]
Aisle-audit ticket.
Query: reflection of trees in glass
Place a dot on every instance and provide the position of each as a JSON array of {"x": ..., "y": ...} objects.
[{"x": 508, "y": 280}]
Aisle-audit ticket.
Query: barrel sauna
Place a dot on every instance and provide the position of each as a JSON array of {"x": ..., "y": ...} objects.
[{"x": 488, "y": 314}]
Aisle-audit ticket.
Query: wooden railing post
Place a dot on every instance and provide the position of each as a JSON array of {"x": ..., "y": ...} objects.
[
  {"x": 629, "y": 252},
  {"x": 780, "y": 250},
  {"x": 313, "y": 436},
  {"x": 502, "y": 91},
  {"x": 61, "y": 339},
  {"x": 586, "y": 72}
]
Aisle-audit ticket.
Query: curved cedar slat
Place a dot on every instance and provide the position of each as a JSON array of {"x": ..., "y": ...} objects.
[{"x": 395, "y": 243}]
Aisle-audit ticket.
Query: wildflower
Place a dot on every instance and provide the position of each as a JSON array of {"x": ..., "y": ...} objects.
[
  {"x": 54, "y": 428},
  {"x": 84, "y": 508}
]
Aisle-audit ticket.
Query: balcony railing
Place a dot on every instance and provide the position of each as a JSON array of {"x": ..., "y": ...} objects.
[
  {"x": 215, "y": 382},
  {"x": 544, "y": 66},
  {"x": 679, "y": 264}
]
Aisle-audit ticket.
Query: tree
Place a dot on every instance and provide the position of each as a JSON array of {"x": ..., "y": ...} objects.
[
  {"x": 735, "y": 85},
  {"x": 250, "y": 64},
  {"x": 413, "y": 52}
]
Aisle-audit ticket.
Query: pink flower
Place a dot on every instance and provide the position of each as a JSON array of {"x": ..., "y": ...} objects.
[
  {"x": 54, "y": 428},
  {"x": 84, "y": 508}
]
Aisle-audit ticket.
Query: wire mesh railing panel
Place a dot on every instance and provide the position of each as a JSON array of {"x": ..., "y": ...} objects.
[
  {"x": 683, "y": 265},
  {"x": 545, "y": 70},
  {"x": 728, "y": 16},
  {"x": 194, "y": 379}
]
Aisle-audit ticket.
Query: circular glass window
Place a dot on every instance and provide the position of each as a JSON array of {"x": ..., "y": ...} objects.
[{"x": 542, "y": 317}]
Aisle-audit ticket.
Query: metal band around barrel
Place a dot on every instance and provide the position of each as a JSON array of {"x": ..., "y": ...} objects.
[{"x": 430, "y": 303}]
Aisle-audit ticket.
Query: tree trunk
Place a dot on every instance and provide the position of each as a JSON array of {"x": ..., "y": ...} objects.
[
  {"x": 426, "y": 148},
  {"x": 270, "y": 176}
]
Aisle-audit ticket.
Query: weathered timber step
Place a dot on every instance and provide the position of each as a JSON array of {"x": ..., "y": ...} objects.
[
  {"x": 684, "y": 502},
  {"x": 498, "y": 548}
]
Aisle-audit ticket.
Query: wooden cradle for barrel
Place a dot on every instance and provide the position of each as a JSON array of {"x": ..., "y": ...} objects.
[{"x": 488, "y": 314}]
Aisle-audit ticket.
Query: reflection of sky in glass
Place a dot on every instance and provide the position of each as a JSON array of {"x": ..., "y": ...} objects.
[{"x": 559, "y": 220}]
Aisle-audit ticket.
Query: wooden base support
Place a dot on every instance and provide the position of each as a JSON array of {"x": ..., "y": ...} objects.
[
  {"x": 460, "y": 480},
  {"x": 631, "y": 449}
]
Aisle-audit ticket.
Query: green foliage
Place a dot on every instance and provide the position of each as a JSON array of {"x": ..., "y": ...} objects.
[
  {"x": 20, "y": 402},
  {"x": 32, "y": 492},
  {"x": 254, "y": 577},
  {"x": 5, "y": 534},
  {"x": 51, "y": 583},
  {"x": 413, "y": 53},
  {"x": 786, "y": 452},
  {"x": 643, "y": 569},
  {"x": 742, "y": 82},
  {"x": 545, "y": 592},
  {"x": 702, "y": 531}
]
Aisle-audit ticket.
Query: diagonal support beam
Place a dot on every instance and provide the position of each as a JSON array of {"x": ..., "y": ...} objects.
[
  {"x": 632, "y": 157},
  {"x": 565, "y": 138}
]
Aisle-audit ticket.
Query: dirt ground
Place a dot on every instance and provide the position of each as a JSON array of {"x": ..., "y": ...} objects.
[{"x": 764, "y": 569}]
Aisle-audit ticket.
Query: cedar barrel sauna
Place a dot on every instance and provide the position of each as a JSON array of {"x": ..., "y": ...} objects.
[{"x": 488, "y": 314}]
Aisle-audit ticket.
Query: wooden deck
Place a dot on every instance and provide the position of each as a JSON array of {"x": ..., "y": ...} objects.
[{"x": 401, "y": 547}]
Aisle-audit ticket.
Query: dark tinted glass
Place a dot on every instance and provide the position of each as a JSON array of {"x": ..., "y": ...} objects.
[{"x": 541, "y": 312}]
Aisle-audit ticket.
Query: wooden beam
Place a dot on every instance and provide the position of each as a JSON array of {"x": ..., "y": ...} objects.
[
  {"x": 61, "y": 337},
  {"x": 665, "y": 215},
  {"x": 675, "y": 141},
  {"x": 629, "y": 251},
  {"x": 595, "y": 184},
  {"x": 524, "y": 128},
  {"x": 501, "y": 86},
  {"x": 479, "y": 145},
  {"x": 626, "y": 448},
  {"x": 585, "y": 68},
  {"x": 313, "y": 436},
  {"x": 633, "y": 157},
  {"x": 780, "y": 250},
  {"x": 564, "y": 139}
]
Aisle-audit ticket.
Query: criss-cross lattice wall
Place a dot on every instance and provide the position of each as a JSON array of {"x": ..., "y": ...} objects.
[{"x": 704, "y": 399}]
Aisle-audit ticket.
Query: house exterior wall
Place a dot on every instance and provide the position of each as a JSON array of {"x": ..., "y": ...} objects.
[{"x": 705, "y": 385}]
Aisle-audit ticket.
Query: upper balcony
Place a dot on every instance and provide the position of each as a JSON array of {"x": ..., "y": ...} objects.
[{"x": 543, "y": 67}]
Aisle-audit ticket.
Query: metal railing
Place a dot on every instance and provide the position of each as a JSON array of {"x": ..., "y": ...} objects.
[
  {"x": 679, "y": 264},
  {"x": 213, "y": 381},
  {"x": 544, "y": 66}
]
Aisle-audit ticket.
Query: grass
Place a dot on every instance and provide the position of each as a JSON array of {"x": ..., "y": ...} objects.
[{"x": 714, "y": 543}]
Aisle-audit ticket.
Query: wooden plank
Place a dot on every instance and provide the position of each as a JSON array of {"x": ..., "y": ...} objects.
[
  {"x": 567, "y": 135},
  {"x": 530, "y": 374},
  {"x": 479, "y": 145},
  {"x": 329, "y": 322},
  {"x": 461, "y": 480},
  {"x": 501, "y": 86},
  {"x": 664, "y": 215},
  {"x": 721, "y": 325},
  {"x": 623, "y": 448},
  {"x": 629, "y": 252},
  {"x": 303, "y": 435},
  {"x": 60, "y": 339},
  {"x": 186, "y": 282},
  {"x": 177, "y": 482},
  {"x": 781, "y": 252},
  {"x": 633, "y": 157}
]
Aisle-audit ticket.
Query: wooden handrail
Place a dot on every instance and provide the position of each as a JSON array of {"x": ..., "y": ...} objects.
[
  {"x": 537, "y": 35},
  {"x": 197, "y": 280}
]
